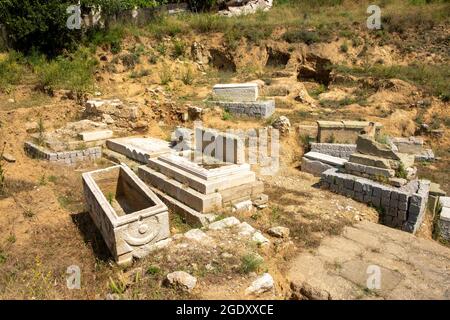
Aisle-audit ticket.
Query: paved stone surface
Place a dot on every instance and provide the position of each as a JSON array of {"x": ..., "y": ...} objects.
[{"x": 411, "y": 268}]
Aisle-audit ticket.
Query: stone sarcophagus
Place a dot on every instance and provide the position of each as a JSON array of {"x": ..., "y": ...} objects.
[{"x": 128, "y": 214}]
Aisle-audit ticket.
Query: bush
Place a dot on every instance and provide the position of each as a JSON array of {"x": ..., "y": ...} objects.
[
  {"x": 251, "y": 262},
  {"x": 74, "y": 72},
  {"x": 38, "y": 24},
  {"x": 11, "y": 70}
]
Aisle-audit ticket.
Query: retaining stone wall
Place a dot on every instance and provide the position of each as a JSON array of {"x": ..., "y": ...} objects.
[
  {"x": 399, "y": 208},
  {"x": 66, "y": 157}
]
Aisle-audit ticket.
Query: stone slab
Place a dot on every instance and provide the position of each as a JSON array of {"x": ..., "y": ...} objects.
[
  {"x": 96, "y": 135},
  {"x": 314, "y": 167},
  {"x": 330, "y": 160},
  {"x": 138, "y": 148},
  {"x": 230, "y": 178},
  {"x": 237, "y": 92},
  {"x": 257, "y": 109}
]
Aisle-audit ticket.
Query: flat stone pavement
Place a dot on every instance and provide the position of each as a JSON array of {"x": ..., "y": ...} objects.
[{"x": 411, "y": 268}]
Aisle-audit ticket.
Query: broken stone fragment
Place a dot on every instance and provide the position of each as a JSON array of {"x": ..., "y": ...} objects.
[
  {"x": 225, "y": 223},
  {"x": 196, "y": 235},
  {"x": 245, "y": 229},
  {"x": 243, "y": 206},
  {"x": 282, "y": 124},
  {"x": 262, "y": 284},
  {"x": 279, "y": 232},
  {"x": 9, "y": 158},
  {"x": 182, "y": 280},
  {"x": 260, "y": 239}
]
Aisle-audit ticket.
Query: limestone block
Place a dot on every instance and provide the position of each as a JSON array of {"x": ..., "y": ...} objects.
[
  {"x": 370, "y": 160},
  {"x": 238, "y": 92},
  {"x": 96, "y": 135},
  {"x": 258, "y": 109},
  {"x": 327, "y": 159},
  {"x": 314, "y": 167}
]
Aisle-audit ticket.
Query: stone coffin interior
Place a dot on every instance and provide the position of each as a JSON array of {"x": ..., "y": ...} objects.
[{"x": 122, "y": 192}]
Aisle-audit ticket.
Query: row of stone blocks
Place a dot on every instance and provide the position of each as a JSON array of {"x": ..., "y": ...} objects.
[
  {"x": 400, "y": 208},
  {"x": 256, "y": 109},
  {"x": 66, "y": 157},
  {"x": 334, "y": 149}
]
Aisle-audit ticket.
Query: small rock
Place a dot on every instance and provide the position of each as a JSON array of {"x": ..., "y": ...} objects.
[
  {"x": 283, "y": 124},
  {"x": 196, "y": 235},
  {"x": 225, "y": 223},
  {"x": 262, "y": 284},
  {"x": 243, "y": 206},
  {"x": 245, "y": 229},
  {"x": 181, "y": 280},
  {"x": 227, "y": 255},
  {"x": 279, "y": 232},
  {"x": 9, "y": 158},
  {"x": 31, "y": 127},
  {"x": 194, "y": 113},
  {"x": 11, "y": 100},
  {"x": 260, "y": 239}
]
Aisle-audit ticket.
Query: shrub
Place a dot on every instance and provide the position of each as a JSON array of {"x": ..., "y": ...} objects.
[
  {"x": 38, "y": 24},
  {"x": 74, "y": 72},
  {"x": 11, "y": 70},
  {"x": 179, "y": 47}
]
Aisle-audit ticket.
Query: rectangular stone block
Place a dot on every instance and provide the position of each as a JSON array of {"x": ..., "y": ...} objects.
[
  {"x": 393, "y": 203},
  {"x": 402, "y": 215},
  {"x": 403, "y": 205},
  {"x": 258, "y": 109},
  {"x": 349, "y": 184},
  {"x": 376, "y": 201},
  {"x": 237, "y": 92},
  {"x": 96, "y": 135}
]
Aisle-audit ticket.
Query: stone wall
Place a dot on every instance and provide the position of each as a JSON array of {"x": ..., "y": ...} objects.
[
  {"x": 334, "y": 149},
  {"x": 66, "y": 157},
  {"x": 399, "y": 207},
  {"x": 342, "y": 131}
]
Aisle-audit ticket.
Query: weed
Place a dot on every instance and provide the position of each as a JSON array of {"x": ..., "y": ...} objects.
[
  {"x": 344, "y": 47},
  {"x": 41, "y": 132},
  {"x": 118, "y": 287},
  {"x": 153, "y": 270},
  {"x": 251, "y": 262},
  {"x": 187, "y": 76},
  {"x": 401, "y": 171},
  {"x": 110, "y": 197},
  {"x": 179, "y": 48},
  {"x": 28, "y": 213},
  {"x": 165, "y": 75},
  {"x": 161, "y": 48},
  {"x": 227, "y": 115},
  {"x": 42, "y": 180}
]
